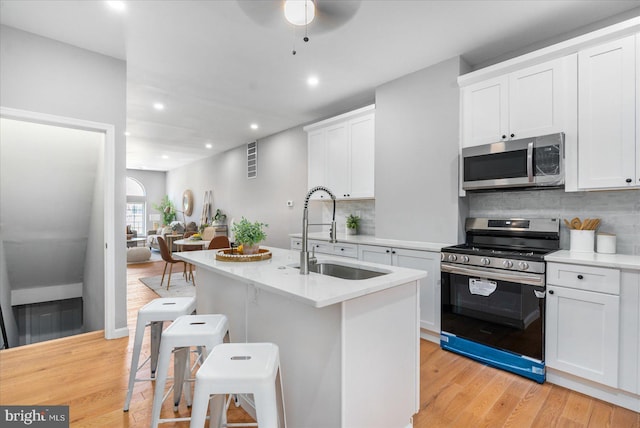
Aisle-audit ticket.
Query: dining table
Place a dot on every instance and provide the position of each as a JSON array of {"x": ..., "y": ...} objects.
[{"x": 188, "y": 244}]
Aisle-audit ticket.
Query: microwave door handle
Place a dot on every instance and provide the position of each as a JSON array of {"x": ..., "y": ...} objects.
[{"x": 530, "y": 161}]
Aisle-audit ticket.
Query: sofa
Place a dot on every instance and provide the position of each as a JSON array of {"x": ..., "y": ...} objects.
[{"x": 175, "y": 228}]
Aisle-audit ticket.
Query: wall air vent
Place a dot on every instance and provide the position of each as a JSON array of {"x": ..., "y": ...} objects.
[{"x": 252, "y": 159}]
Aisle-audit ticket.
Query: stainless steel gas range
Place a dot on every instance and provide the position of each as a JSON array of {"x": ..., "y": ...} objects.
[{"x": 493, "y": 293}]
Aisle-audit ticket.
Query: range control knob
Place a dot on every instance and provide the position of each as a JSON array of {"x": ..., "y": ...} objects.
[
  {"x": 465, "y": 259},
  {"x": 453, "y": 257},
  {"x": 442, "y": 257},
  {"x": 523, "y": 265},
  {"x": 485, "y": 261},
  {"x": 508, "y": 264}
]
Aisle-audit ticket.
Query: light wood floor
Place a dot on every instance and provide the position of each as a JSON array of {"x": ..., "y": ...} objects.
[{"x": 90, "y": 374}]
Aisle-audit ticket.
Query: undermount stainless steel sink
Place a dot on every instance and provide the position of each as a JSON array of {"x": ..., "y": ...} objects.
[{"x": 343, "y": 271}]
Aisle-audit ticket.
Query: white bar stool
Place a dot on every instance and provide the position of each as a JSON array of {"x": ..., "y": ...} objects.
[
  {"x": 203, "y": 331},
  {"x": 240, "y": 368},
  {"x": 154, "y": 313}
]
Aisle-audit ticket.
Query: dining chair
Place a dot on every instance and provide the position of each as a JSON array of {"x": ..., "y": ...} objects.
[
  {"x": 219, "y": 242},
  {"x": 168, "y": 260}
]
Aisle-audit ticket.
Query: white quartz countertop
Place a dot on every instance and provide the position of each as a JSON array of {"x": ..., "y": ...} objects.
[
  {"x": 619, "y": 261},
  {"x": 372, "y": 240},
  {"x": 278, "y": 276}
]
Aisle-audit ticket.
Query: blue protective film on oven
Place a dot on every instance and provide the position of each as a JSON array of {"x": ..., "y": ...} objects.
[{"x": 493, "y": 357}]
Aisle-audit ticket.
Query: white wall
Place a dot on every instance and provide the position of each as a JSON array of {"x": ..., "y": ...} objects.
[
  {"x": 41, "y": 75},
  {"x": 282, "y": 176},
  {"x": 417, "y": 155},
  {"x": 155, "y": 186}
]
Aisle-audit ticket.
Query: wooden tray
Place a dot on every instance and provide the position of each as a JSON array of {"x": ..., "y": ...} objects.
[{"x": 226, "y": 256}]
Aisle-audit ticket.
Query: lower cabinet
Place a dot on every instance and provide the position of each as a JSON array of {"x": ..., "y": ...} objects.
[
  {"x": 429, "y": 287},
  {"x": 583, "y": 325},
  {"x": 324, "y": 247},
  {"x": 629, "y": 374}
]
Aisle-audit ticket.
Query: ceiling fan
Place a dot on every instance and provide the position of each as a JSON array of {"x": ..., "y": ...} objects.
[{"x": 329, "y": 14}]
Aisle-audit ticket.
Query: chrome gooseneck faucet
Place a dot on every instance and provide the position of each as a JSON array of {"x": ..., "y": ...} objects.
[{"x": 304, "y": 254}]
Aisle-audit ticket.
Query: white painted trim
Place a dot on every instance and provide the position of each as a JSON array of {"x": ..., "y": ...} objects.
[
  {"x": 26, "y": 296},
  {"x": 557, "y": 50},
  {"x": 349, "y": 115},
  {"x": 108, "y": 130}
]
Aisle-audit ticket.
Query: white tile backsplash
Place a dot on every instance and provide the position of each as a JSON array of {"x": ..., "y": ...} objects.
[
  {"x": 364, "y": 208},
  {"x": 619, "y": 211}
]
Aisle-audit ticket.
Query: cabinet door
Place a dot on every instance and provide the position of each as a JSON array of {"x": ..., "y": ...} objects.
[
  {"x": 429, "y": 286},
  {"x": 629, "y": 376},
  {"x": 538, "y": 98},
  {"x": 484, "y": 112},
  {"x": 317, "y": 160},
  {"x": 606, "y": 116},
  {"x": 582, "y": 334},
  {"x": 337, "y": 179},
  {"x": 362, "y": 151},
  {"x": 375, "y": 254}
]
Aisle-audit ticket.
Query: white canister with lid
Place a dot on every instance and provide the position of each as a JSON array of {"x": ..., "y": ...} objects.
[{"x": 606, "y": 243}]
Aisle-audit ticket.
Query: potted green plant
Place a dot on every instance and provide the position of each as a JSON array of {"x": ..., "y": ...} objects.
[
  {"x": 353, "y": 222},
  {"x": 249, "y": 235},
  {"x": 167, "y": 215},
  {"x": 219, "y": 218}
]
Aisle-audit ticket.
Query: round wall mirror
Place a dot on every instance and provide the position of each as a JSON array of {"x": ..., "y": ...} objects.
[{"x": 187, "y": 202}]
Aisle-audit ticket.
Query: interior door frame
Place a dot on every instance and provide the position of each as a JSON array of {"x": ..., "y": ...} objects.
[{"x": 110, "y": 330}]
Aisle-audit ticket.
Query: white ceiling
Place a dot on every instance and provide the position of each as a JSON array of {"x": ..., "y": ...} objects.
[{"x": 218, "y": 70}]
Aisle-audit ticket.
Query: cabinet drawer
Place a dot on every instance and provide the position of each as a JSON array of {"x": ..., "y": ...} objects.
[
  {"x": 320, "y": 247},
  {"x": 296, "y": 244},
  {"x": 346, "y": 250},
  {"x": 603, "y": 280}
]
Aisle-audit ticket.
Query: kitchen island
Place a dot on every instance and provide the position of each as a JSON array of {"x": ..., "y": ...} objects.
[{"x": 349, "y": 349}]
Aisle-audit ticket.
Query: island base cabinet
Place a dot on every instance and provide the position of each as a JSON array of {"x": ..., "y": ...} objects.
[
  {"x": 428, "y": 261},
  {"x": 582, "y": 334},
  {"x": 352, "y": 364}
]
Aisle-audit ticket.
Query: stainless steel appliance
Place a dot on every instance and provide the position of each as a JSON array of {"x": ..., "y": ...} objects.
[
  {"x": 493, "y": 293},
  {"x": 528, "y": 162}
]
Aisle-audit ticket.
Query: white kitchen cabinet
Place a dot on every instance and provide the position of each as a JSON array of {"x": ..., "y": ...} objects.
[
  {"x": 341, "y": 249},
  {"x": 341, "y": 155},
  {"x": 582, "y": 322},
  {"x": 629, "y": 375},
  {"x": 428, "y": 261},
  {"x": 608, "y": 145},
  {"x": 534, "y": 101}
]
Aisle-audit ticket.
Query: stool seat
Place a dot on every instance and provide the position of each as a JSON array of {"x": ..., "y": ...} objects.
[
  {"x": 240, "y": 368},
  {"x": 154, "y": 313},
  {"x": 202, "y": 331}
]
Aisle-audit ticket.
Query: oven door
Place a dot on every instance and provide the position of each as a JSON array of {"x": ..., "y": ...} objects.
[{"x": 501, "y": 309}]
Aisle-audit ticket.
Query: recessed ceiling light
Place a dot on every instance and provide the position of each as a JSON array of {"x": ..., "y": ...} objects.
[
  {"x": 209, "y": 145},
  {"x": 254, "y": 126},
  {"x": 127, "y": 133},
  {"x": 158, "y": 106},
  {"x": 118, "y": 6},
  {"x": 312, "y": 81},
  {"x": 165, "y": 157}
]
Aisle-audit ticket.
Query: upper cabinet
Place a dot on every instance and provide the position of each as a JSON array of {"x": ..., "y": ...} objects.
[
  {"x": 534, "y": 101},
  {"x": 341, "y": 154},
  {"x": 608, "y": 149}
]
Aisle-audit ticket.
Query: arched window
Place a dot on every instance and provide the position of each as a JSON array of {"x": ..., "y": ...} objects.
[{"x": 136, "y": 206}]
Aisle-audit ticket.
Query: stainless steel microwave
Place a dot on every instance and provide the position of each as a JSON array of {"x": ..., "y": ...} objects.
[{"x": 528, "y": 162}]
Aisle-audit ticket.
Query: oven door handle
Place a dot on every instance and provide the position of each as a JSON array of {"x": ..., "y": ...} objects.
[
  {"x": 523, "y": 278},
  {"x": 530, "y": 161}
]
